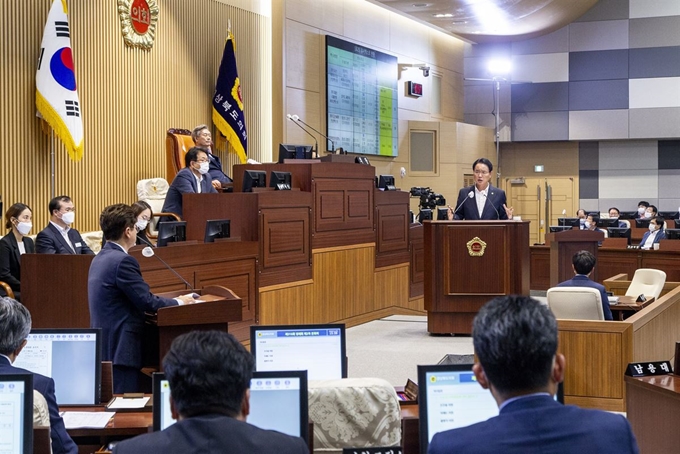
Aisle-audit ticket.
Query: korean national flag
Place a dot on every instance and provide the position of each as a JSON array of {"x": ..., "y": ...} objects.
[{"x": 56, "y": 96}]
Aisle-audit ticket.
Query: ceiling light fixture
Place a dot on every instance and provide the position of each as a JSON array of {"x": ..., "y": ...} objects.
[{"x": 442, "y": 15}]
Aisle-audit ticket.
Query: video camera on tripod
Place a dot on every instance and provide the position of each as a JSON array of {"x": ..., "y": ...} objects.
[{"x": 428, "y": 201}]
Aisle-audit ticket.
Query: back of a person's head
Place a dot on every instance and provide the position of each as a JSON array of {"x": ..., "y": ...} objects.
[
  {"x": 515, "y": 339},
  {"x": 208, "y": 371},
  {"x": 15, "y": 325},
  {"x": 114, "y": 219},
  {"x": 583, "y": 262}
]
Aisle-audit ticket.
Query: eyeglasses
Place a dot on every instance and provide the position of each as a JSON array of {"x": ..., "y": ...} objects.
[{"x": 479, "y": 172}]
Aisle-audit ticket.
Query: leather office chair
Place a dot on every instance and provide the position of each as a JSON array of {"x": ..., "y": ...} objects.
[
  {"x": 648, "y": 282},
  {"x": 177, "y": 143},
  {"x": 576, "y": 303},
  {"x": 153, "y": 192},
  {"x": 353, "y": 412}
]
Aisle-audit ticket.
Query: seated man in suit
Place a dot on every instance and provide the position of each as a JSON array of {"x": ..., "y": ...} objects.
[
  {"x": 515, "y": 339},
  {"x": 656, "y": 233},
  {"x": 650, "y": 212},
  {"x": 118, "y": 298},
  {"x": 642, "y": 208},
  {"x": 614, "y": 213},
  {"x": 58, "y": 237},
  {"x": 209, "y": 374},
  {"x": 481, "y": 201},
  {"x": 15, "y": 324},
  {"x": 583, "y": 263},
  {"x": 203, "y": 138},
  {"x": 193, "y": 179}
]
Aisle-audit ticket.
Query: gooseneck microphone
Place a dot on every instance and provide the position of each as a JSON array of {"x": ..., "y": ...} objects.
[
  {"x": 294, "y": 119},
  {"x": 148, "y": 252},
  {"x": 492, "y": 205},
  {"x": 470, "y": 195}
]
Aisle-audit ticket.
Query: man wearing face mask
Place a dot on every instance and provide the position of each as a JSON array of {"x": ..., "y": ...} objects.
[
  {"x": 203, "y": 138},
  {"x": 650, "y": 212},
  {"x": 193, "y": 179},
  {"x": 58, "y": 237},
  {"x": 655, "y": 233},
  {"x": 642, "y": 207}
]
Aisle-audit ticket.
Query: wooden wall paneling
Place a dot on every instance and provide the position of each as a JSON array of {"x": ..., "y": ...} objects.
[
  {"x": 656, "y": 330},
  {"x": 240, "y": 208},
  {"x": 390, "y": 286},
  {"x": 343, "y": 282},
  {"x": 540, "y": 268},
  {"x": 392, "y": 221},
  {"x": 287, "y": 304},
  {"x": 417, "y": 261},
  {"x": 669, "y": 262},
  {"x": 129, "y": 98},
  {"x": 285, "y": 236}
]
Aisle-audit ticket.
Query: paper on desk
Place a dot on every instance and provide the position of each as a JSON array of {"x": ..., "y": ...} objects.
[
  {"x": 124, "y": 402},
  {"x": 89, "y": 419}
]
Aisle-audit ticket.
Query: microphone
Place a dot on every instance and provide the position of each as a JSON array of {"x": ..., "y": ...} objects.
[
  {"x": 145, "y": 242},
  {"x": 470, "y": 195},
  {"x": 316, "y": 142},
  {"x": 492, "y": 205},
  {"x": 296, "y": 118},
  {"x": 148, "y": 252}
]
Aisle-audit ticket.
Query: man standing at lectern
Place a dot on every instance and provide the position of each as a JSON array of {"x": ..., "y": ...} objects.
[
  {"x": 118, "y": 298},
  {"x": 481, "y": 201}
]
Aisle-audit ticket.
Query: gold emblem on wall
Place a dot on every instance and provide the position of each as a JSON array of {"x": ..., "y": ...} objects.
[
  {"x": 138, "y": 19},
  {"x": 476, "y": 247}
]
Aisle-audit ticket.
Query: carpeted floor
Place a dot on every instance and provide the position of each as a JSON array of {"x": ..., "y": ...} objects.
[{"x": 393, "y": 347}]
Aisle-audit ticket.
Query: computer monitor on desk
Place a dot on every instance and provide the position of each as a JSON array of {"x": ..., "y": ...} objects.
[
  {"x": 642, "y": 223},
  {"x": 217, "y": 229},
  {"x": 449, "y": 397},
  {"x": 171, "y": 232},
  {"x": 71, "y": 357},
  {"x": 571, "y": 222},
  {"x": 16, "y": 413},
  {"x": 619, "y": 232},
  {"x": 278, "y": 401},
  {"x": 607, "y": 222},
  {"x": 319, "y": 349},
  {"x": 673, "y": 234},
  {"x": 559, "y": 228}
]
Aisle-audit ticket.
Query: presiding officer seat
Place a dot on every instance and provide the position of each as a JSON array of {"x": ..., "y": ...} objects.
[
  {"x": 7, "y": 289},
  {"x": 177, "y": 143},
  {"x": 353, "y": 412},
  {"x": 648, "y": 282},
  {"x": 577, "y": 303}
]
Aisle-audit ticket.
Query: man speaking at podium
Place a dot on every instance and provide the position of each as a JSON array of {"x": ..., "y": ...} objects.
[
  {"x": 481, "y": 201},
  {"x": 118, "y": 298}
]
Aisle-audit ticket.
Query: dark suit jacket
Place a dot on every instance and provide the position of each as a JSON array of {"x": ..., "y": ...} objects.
[
  {"x": 118, "y": 298},
  {"x": 659, "y": 236},
  {"x": 215, "y": 169},
  {"x": 538, "y": 424},
  {"x": 61, "y": 441},
  {"x": 468, "y": 206},
  {"x": 184, "y": 183},
  {"x": 50, "y": 241},
  {"x": 584, "y": 281},
  {"x": 213, "y": 434},
  {"x": 10, "y": 259}
]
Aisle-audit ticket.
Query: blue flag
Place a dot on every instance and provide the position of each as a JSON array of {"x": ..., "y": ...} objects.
[{"x": 227, "y": 102}]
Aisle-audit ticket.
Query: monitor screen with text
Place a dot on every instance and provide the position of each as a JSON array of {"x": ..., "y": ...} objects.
[
  {"x": 16, "y": 414},
  {"x": 318, "y": 349},
  {"x": 450, "y": 397},
  {"x": 278, "y": 401},
  {"x": 71, "y": 357}
]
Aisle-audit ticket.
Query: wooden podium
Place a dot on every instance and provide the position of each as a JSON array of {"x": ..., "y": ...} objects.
[
  {"x": 467, "y": 263},
  {"x": 221, "y": 306},
  {"x": 563, "y": 246}
]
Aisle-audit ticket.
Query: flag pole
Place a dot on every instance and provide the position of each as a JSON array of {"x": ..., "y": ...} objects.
[{"x": 52, "y": 166}]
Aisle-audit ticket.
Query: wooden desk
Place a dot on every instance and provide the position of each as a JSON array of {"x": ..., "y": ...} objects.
[
  {"x": 653, "y": 406},
  {"x": 123, "y": 425},
  {"x": 628, "y": 304}
]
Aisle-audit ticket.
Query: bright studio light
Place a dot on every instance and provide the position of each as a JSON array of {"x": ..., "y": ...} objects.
[{"x": 499, "y": 67}]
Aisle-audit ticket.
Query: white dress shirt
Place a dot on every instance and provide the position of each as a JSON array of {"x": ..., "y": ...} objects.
[
  {"x": 480, "y": 198},
  {"x": 64, "y": 233}
]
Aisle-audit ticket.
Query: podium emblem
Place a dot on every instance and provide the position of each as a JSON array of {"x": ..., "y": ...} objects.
[{"x": 476, "y": 247}]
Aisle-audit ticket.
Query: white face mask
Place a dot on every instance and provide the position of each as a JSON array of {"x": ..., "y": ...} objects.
[
  {"x": 582, "y": 220},
  {"x": 652, "y": 227},
  {"x": 141, "y": 224},
  {"x": 68, "y": 217},
  {"x": 641, "y": 210},
  {"x": 588, "y": 224},
  {"x": 204, "y": 168},
  {"x": 648, "y": 214},
  {"x": 24, "y": 227}
]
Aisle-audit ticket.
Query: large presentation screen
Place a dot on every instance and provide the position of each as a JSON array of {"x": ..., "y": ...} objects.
[{"x": 361, "y": 98}]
